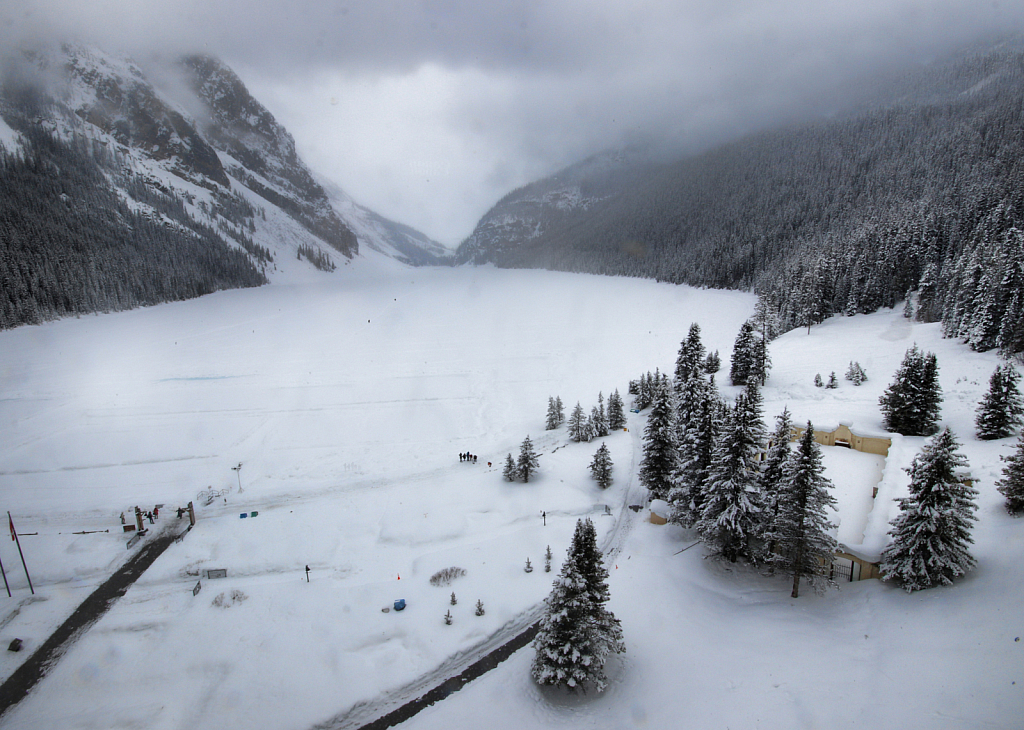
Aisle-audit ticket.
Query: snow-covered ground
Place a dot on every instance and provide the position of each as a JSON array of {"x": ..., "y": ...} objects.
[{"x": 347, "y": 399}]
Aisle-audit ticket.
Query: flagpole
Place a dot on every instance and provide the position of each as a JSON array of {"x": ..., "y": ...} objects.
[
  {"x": 14, "y": 534},
  {"x": 6, "y": 584}
]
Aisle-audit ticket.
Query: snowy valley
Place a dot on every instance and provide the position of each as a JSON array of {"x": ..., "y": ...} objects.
[{"x": 346, "y": 399}]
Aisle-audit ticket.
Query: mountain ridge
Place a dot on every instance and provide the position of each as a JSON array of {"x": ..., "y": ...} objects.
[
  {"x": 840, "y": 215},
  {"x": 176, "y": 157}
]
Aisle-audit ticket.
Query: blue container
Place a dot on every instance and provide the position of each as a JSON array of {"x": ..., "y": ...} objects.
[{"x": 400, "y": 604}]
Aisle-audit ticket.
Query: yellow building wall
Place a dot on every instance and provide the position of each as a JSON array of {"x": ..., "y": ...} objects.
[{"x": 866, "y": 444}]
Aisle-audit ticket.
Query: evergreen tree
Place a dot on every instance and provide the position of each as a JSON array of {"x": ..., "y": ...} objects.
[
  {"x": 855, "y": 373},
  {"x": 1000, "y": 411},
  {"x": 743, "y": 354},
  {"x": 527, "y": 463},
  {"x": 659, "y": 445},
  {"x": 510, "y": 472},
  {"x": 760, "y": 361},
  {"x": 832, "y": 383},
  {"x": 772, "y": 472},
  {"x": 911, "y": 404},
  {"x": 730, "y": 517},
  {"x": 552, "y": 419},
  {"x": 696, "y": 446},
  {"x": 691, "y": 356},
  {"x": 818, "y": 382},
  {"x": 1011, "y": 485},
  {"x": 800, "y": 533},
  {"x": 712, "y": 363},
  {"x": 931, "y": 534},
  {"x": 577, "y": 632},
  {"x": 560, "y": 410},
  {"x": 579, "y": 426},
  {"x": 616, "y": 415},
  {"x": 598, "y": 419},
  {"x": 601, "y": 467}
]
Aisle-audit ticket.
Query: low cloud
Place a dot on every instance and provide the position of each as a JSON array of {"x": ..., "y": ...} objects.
[{"x": 429, "y": 111}]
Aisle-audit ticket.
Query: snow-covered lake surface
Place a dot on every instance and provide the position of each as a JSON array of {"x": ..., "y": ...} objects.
[{"x": 347, "y": 399}]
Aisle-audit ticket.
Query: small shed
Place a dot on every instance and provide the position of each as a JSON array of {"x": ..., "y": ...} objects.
[
  {"x": 659, "y": 512},
  {"x": 851, "y": 564}
]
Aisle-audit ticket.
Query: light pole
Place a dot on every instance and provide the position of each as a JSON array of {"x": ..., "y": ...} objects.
[{"x": 238, "y": 473}]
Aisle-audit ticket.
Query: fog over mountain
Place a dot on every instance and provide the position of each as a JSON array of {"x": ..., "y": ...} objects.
[{"x": 440, "y": 107}]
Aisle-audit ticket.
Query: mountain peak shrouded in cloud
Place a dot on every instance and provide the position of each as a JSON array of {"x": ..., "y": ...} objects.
[{"x": 439, "y": 107}]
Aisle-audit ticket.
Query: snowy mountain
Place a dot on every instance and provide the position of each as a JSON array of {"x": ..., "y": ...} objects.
[
  {"x": 523, "y": 222},
  {"x": 916, "y": 188},
  {"x": 385, "y": 236},
  {"x": 159, "y": 182}
]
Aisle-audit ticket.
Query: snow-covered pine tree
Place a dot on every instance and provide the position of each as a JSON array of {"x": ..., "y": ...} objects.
[
  {"x": 601, "y": 467},
  {"x": 855, "y": 373},
  {"x": 616, "y": 415},
  {"x": 743, "y": 354},
  {"x": 560, "y": 410},
  {"x": 911, "y": 404},
  {"x": 645, "y": 391},
  {"x": 579, "y": 429},
  {"x": 801, "y": 532},
  {"x": 772, "y": 472},
  {"x": 999, "y": 413},
  {"x": 598, "y": 419},
  {"x": 1011, "y": 328},
  {"x": 527, "y": 463},
  {"x": 552, "y": 419},
  {"x": 760, "y": 361},
  {"x": 766, "y": 319},
  {"x": 704, "y": 416},
  {"x": 510, "y": 472},
  {"x": 731, "y": 515},
  {"x": 712, "y": 363},
  {"x": 832, "y": 383},
  {"x": 1011, "y": 485},
  {"x": 690, "y": 358},
  {"x": 931, "y": 534},
  {"x": 818, "y": 382},
  {"x": 577, "y": 632},
  {"x": 659, "y": 445}
]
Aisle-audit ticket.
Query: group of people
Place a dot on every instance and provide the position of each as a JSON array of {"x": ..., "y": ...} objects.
[
  {"x": 467, "y": 457},
  {"x": 149, "y": 515}
]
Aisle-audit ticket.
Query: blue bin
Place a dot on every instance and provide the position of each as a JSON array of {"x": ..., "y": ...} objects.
[{"x": 400, "y": 604}]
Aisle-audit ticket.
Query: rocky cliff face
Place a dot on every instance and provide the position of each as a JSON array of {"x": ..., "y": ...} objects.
[
  {"x": 262, "y": 153},
  {"x": 115, "y": 96},
  {"x": 194, "y": 118}
]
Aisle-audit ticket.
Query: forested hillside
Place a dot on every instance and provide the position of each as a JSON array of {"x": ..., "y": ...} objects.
[
  {"x": 839, "y": 216},
  {"x": 70, "y": 244}
]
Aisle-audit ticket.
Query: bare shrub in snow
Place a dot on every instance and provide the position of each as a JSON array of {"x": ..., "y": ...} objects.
[{"x": 446, "y": 576}]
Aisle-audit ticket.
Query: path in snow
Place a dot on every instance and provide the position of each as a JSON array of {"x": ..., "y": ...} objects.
[{"x": 25, "y": 677}]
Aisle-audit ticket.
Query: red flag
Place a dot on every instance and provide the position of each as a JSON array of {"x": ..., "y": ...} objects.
[{"x": 14, "y": 535}]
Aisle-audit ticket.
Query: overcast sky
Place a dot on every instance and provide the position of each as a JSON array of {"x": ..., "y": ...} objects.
[{"x": 428, "y": 111}]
